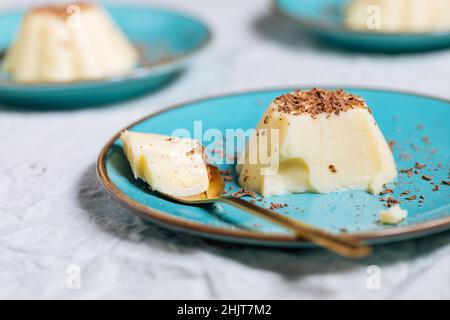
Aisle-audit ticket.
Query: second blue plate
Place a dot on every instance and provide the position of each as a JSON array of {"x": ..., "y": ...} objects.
[
  {"x": 177, "y": 38},
  {"x": 324, "y": 19}
]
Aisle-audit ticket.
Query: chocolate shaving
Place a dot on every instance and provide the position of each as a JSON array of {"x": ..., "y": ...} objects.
[
  {"x": 428, "y": 178},
  {"x": 274, "y": 206},
  {"x": 244, "y": 193},
  {"x": 386, "y": 191},
  {"x": 419, "y": 165},
  {"x": 61, "y": 10},
  {"x": 391, "y": 202},
  {"x": 332, "y": 168}
]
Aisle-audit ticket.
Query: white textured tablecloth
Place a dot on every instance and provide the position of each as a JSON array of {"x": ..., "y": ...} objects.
[{"x": 55, "y": 219}]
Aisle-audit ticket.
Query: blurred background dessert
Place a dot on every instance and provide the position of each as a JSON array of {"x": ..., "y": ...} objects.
[
  {"x": 398, "y": 15},
  {"x": 72, "y": 42}
]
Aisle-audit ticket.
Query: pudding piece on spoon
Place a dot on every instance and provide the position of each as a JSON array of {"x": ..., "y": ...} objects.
[{"x": 172, "y": 166}]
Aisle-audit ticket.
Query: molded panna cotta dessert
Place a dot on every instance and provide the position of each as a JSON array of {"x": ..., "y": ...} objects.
[
  {"x": 316, "y": 141},
  {"x": 63, "y": 43},
  {"x": 399, "y": 15},
  {"x": 169, "y": 165}
]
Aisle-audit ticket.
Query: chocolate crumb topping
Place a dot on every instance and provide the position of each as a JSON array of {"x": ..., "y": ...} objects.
[
  {"x": 317, "y": 101},
  {"x": 428, "y": 178},
  {"x": 391, "y": 144},
  {"x": 413, "y": 197},
  {"x": 332, "y": 168},
  {"x": 409, "y": 172},
  {"x": 446, "y": 182},
  {"x": 61, "y": 10}
]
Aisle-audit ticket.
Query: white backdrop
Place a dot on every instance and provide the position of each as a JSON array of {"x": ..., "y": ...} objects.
[{"x": 55, "y": 219}]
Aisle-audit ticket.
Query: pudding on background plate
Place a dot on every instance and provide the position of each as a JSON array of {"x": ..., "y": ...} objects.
[
  {"x": 65, "y": 43},
  {"x": 398, "y": 15}
]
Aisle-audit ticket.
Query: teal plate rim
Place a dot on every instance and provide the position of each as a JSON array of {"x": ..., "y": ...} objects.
[
  {"x": 136, "y": 73},
  {"x": 311, "y": 24},
  {"x": 252, "y": 237}
]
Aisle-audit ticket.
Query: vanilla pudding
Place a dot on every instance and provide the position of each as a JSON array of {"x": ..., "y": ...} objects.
[
  {"x": 173, "y": 166},
  {"x": 316, "y": 141},
  {"x": 399, "y": 15},
  {"x": 63, "y": 43}
]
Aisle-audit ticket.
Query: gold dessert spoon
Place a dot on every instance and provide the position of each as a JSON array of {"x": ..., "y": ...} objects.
[{"x": 344, "y": 245}]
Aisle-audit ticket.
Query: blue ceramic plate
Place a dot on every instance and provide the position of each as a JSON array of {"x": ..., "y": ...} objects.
[
  {"x": 176, "y": 38},
  {"x": 324, "y": 18},
  {"x": 417, "y": 124}
]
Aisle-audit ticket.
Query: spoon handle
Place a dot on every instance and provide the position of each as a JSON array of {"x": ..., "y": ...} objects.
[{"x": 342, "y": 244}]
